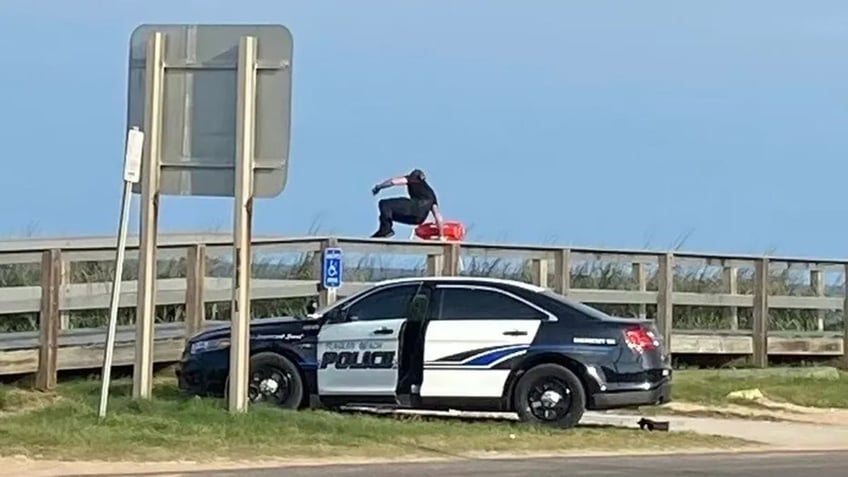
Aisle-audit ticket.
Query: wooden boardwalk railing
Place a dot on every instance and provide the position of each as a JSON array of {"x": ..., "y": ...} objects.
[{"x": 54, "y": 293}]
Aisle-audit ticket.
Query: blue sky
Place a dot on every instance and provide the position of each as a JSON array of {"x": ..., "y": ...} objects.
[{"x": 617, "y": 124}]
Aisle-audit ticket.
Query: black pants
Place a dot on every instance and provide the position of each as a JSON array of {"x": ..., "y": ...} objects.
[{"x": 401, "y": 210}]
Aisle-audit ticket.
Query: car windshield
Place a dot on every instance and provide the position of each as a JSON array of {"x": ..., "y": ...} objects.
[{"x": 593, "y": 312}]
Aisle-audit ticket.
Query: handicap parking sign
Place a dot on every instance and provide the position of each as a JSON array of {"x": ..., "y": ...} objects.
[{"x": 331, "y": 274}]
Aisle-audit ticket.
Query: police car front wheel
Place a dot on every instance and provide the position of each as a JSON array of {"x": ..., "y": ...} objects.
[
  {"x": 275, "y": 379},
  {"x": 550, "y": 394}
]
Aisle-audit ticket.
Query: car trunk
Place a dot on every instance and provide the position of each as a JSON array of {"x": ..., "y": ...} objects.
[{"x": 643, "y": 337}]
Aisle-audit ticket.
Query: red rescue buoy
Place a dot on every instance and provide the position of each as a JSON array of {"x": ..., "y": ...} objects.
[{"x": 453, "y": 230}]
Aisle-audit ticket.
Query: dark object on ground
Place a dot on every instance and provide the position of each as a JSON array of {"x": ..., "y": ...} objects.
[{"x": 652, "y": 425}]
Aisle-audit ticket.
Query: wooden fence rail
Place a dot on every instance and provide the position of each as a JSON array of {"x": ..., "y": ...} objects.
[{"x": 54, "y": 295}]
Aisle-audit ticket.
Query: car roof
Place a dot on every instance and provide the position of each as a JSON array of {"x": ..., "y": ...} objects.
[{"x": 478, "y": 280}]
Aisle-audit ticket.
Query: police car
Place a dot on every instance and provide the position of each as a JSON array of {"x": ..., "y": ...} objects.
[{"x": 462, "y": 343}]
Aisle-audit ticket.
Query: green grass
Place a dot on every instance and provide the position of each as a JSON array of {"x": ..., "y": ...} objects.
[
  {"x": 171, "y": 427},
  {"x": 5, "y": 398},
  {"x": 712, "y": 387}
]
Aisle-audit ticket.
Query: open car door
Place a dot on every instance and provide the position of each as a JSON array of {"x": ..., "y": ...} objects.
[
  {"x": 411, "y": 352},
  {"x": 358, "y": 346}
]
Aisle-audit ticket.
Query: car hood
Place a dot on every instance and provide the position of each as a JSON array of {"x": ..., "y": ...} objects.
[{"x": 258, "y": 327}]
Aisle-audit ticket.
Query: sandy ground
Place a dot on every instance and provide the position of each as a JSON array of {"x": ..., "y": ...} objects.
[{"x": 770, "y": 409}]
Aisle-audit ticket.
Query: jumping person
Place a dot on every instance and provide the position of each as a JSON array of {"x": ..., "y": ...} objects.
[{"x": 410, "y": 211}]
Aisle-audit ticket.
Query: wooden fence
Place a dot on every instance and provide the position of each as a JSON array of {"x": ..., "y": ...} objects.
[{"x": 47, "y": 283}]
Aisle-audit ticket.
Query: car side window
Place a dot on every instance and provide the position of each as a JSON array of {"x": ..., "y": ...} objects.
[
  {"x": 482, "y": 304},
  {"x": 384, "y": 304}
]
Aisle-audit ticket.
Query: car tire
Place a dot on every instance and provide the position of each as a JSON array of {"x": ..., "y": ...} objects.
[
  {"x": 273, "y": 378},
  {"x": 550, "y": 394}
]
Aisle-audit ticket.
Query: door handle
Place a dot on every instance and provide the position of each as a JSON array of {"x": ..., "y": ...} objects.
[
  {"x": 383, "y": 331},
  {"x": 515, "y": 333}
]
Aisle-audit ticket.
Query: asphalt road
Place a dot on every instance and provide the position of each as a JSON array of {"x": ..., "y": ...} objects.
[{"x": 783, "y": 464}]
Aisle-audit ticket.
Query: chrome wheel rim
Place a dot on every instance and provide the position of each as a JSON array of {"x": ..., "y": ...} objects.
[{"x": 550, "y": 399}]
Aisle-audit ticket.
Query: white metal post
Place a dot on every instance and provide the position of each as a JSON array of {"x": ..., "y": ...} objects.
[
  {"x": 132, "y": 171},
  {"x": 146, "y": 308},
  {"x": 245, "y": 137}
]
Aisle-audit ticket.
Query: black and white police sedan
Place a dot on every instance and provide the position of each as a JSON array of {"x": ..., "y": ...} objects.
[{"x": 463, "y": 343}]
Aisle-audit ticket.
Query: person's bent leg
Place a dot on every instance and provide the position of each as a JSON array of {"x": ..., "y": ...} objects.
[
  {"x": 409, "y": 212},
  {"x": 390, "y": 209}
]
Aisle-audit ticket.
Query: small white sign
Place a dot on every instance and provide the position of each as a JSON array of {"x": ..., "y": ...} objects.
[
  {"x": 132, "y": 161},
  {"x": 597, "y": 341}
]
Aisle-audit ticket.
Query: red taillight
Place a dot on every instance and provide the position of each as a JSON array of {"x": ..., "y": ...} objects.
[{"x": 640, "y": 339}]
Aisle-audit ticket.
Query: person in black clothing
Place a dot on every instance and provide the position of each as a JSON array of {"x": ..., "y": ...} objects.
[{"x": 411, "y": 211}]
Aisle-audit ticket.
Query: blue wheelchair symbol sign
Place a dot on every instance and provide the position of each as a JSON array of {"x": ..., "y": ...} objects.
[{"x": 331, "y": 276}]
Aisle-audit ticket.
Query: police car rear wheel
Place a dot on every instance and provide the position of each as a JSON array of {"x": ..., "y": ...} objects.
[
  {"x": 550, "y": 394},
  {"x": 275, "y": 379}
]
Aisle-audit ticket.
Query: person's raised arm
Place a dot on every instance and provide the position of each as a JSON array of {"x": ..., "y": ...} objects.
[{"x": 394, "y": 181}]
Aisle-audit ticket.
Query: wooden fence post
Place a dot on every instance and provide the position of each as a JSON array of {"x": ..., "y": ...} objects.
[
  {"x": 845, "y": 314},
  {"x": 435, "y": 263},
  {"x": 65, "y": 280},
  {"x": 641, "y": 285},
  {"x": 450, "y": 265},
  {"x": 49, "y": 319},
  {"x": 562, "y": 271},
  {"x": 665, "y": 298},
  {"x": 760, "y": 313},
  {"x": 730, "y": 277},
  {"x": 817, "y": 282},
  {"x": 195, "y": 317},
  {"x": 539, "y": 272}
]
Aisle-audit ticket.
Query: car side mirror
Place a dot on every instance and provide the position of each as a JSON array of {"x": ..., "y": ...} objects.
[
  {"x": 336, "y": 315},
  {"x": 312, "y": 307}
]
